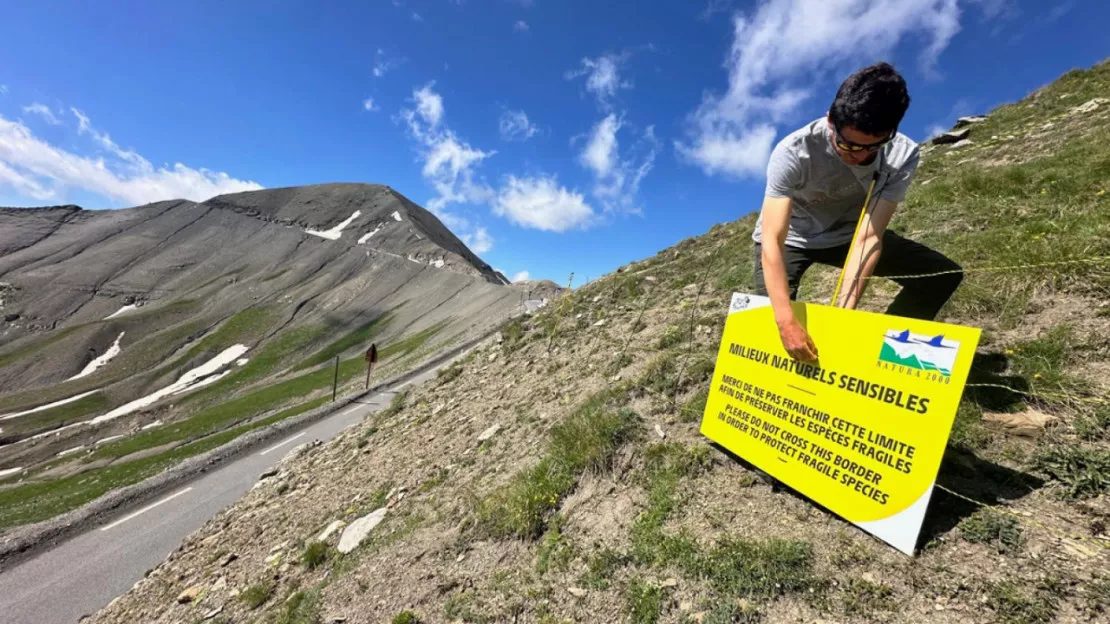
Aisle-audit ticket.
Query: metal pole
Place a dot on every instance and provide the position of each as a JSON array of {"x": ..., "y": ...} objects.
[{"x": 335, "y": 380}]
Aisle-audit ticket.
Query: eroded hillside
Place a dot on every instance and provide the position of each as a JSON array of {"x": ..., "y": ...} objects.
[
  {"x": 135, "y": 338},
  {"x": 558, "y": 475}
]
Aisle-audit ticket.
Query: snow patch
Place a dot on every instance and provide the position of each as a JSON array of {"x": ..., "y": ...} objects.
[
  {"x": 10, "y": 471},
  {"x": 124, "y": 310},
  {"x": 49, "y": 405},
  {"x": 152, "y": 425},
  {"x": 396, "y": 216},
  {"x": 106, "y": 357},
  {"x": 70, "y": 451},
  {"x": 198, "y": 377},
  {"x": 108, "y": 439},
  {"x": 337, "y": 231},
  {"x": 242, "y": 361},
  {"x": 437, "y": 263},
  {"x": 366, "y": 237}
]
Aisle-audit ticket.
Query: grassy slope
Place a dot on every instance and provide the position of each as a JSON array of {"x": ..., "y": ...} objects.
[
  {"x": 220, "y": 417},
  {"x": 599, "y": 504}
]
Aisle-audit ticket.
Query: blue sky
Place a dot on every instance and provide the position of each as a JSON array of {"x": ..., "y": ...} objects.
[{"x": 551, "y": 135}]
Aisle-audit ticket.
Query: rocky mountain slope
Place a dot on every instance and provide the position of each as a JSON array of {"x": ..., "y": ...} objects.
[
  {"x": 559, "y": 476},
  {"x": 128, "y": 334}
]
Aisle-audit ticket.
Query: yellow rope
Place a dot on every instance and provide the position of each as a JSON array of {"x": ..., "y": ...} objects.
[
  {"x": 855, "y": 237},
  {"x": 1015, "y": 267},
  {"x": 1020, "y": 517},
  {"x": 1043, "y": 395}
]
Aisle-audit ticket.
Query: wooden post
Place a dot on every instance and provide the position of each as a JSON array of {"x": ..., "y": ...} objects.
[
  {"x": 371, "y": 357},
  {"x": 335, "y": 380}
]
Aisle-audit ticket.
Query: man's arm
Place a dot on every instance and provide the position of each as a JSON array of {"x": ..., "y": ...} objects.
[
  {"x": 776, "y": 222},
  {"x": 865, "y": 254}
]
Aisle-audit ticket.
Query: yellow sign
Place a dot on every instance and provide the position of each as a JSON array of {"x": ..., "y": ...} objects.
[{"x": 862, "y": 430}]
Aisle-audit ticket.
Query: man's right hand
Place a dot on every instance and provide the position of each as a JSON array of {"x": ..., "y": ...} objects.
[{"x": 797, "y": 341}]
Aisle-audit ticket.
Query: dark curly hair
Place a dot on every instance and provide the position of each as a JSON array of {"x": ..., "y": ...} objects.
[{"x": 873, "y": 100}]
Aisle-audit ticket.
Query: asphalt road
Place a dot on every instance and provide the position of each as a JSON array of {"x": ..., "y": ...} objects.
[{"x": 85, "y": 573}]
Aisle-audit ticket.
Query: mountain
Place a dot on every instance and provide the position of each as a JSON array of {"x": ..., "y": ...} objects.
[
  {"x": 126, "y": 330},
  {"x": 559, "y": 475}
]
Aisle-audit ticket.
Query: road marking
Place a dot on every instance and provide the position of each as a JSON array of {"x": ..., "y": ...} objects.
[
  {"x": 283, "y": 443},
  {"x": 146, "y": 509},
  {"x": 350, "y": 411}
]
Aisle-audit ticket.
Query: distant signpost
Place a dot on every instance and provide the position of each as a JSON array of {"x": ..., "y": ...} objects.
[{"x": 371, "y": 359}]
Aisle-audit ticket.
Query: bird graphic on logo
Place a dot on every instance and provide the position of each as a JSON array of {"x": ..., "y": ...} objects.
[{"x": 927, "y": 353}]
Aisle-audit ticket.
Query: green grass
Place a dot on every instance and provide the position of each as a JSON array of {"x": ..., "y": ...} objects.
[
  {"x": 694, "y": 408},
  {"x": 396, "y": 404},
  {"x": 450, "y": 373},
  {"x": 993, "y": 528},
  {"x": 555, "y": 552},
  {"x": 406, "y": 617},
  {"x": 1012, "y": 605},
  {"x": 514, "y": 334},
  {"x": 302, "y": 607},
  {"x": 35, "y": 346},
  {"x": 1096, "y": 596},
  {"x": 672, "y": 335},
  {"x": 734, "y": 567},
  {"x": 245, "y": 327},
  {"x": 643, "y": 602},
  {"x": 33, "y": 502},
  {"x": 601, "y": 563},
  {"x": 1044, "y": 361},
  {"x": 659, "y": 376},
  {"x": 361, "y": 336},
  {"x": 864, "y": 597},
  {"x": 223, "y": 415},
  {"x": 314, "y": 555},
  {"x": 968, "y": 430},
  {"x": 271, "y": 358},
  {"x": 256, "y": 595},
  {"x": 586, "y": 441},
  {"x": 1082, "y": 471},
  {"x": 80, "y": 409}
]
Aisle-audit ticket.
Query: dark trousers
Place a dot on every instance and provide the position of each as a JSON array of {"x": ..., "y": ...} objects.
[{"x": 921, "y": 297}]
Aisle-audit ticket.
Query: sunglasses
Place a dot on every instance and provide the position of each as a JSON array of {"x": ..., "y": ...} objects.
[{"x": 848, "y": 146}]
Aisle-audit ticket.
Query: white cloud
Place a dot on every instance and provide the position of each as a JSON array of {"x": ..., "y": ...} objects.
[
  {"x": 520, "y": 276},
  {"x": 1060, "y": 10},
  {"x": 3, "y": 89},
  {"x": 369, "y": 105},
  {"x": 448, "y": 163},
  {"x": 515, "y": 126},
  {"x": 600, "y": 154},
  {"x": 714, "y": 7},
  {"x": 541, "y": 203},
  {"x": 616, "y": 179},
  {"x": 416, "y": 17},
  {"x": 383, "y": 64},
  {"x": 778, "y": 52},
  {"x": 479, "y": 241},
  {"x": 934, "y": 130},
  {"x": 520, "y": 26},
  {"x": 603, "y": 77},
  {"x": 993, "y": 8},
  {"x": 43, "y": 171},
  {"x": 429, "y": 104},
  {"x": 42, "y": 111}
]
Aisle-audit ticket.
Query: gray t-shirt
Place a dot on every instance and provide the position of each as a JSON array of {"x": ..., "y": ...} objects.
[{"x": 828, "y": 193}]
